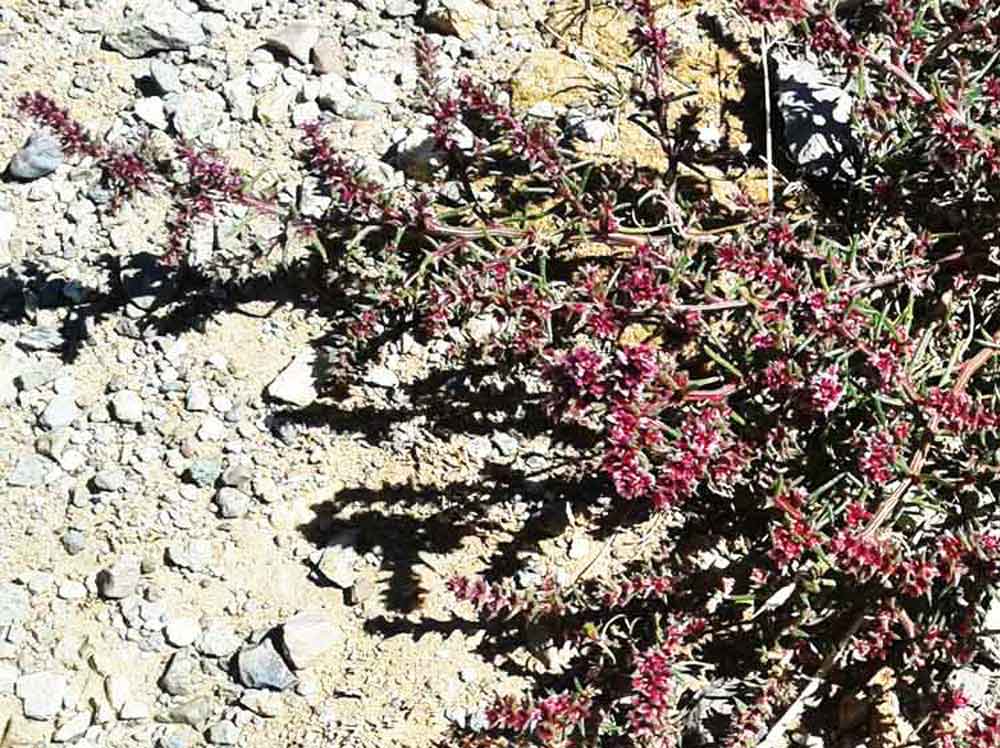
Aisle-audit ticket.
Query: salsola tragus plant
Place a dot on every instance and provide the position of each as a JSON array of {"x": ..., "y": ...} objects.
[{"x": 796, "y": 403}]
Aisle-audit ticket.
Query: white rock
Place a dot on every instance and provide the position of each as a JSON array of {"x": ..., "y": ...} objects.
[
  {"x": 306, "y": 637},
  {"x": 41, "y": 694},
  {"x": 296, "y": 39},
  {"x": 296, "y": 384},
  {"x": 127, "y": 406},
  {"x": 150, "y": 110},
  {"x": 73, "y": 728},
  {"x": 181, "y": 632},
  {"x": 117, "y": 688}
]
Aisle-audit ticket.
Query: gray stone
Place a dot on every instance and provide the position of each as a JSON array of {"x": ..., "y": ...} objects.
[
  {"x": 180, "y": 737},
  {"x": 41, "y": 694},
  {"x": 337, "y": 565},
  {"x": 296, "y": 39},
  {"x": 817, "y": 121},
  {"x": 193, "y": 554},
  {"x": 332, "y": 92},
  {"x": 380, "y": 376},
  {"x": 41, "y": 339},
  {"x": 232, "y": 503},
  {"x": 198, "y": 114},
  {"x": 198, "y": 399},
  {"x": 9, "y": 673},
  {"x": 274, "y": 107},
  {"x": 264, "y": 703},
  {"x": 261, "y": 666},
  {"x": 307, "y": 111},
  {"x": 327, "y": 56},
  {"x": 382, "y": 90},
  {"x": 240, "y": 98},
  {"x": 238, "y": 475},
  {"x": 195, "y": 713},
  {"x": 204, "y": 472},
  {"x": 127, "y": 406},
  {"x": 224, "y": 733},
  {"x": 31, "y": 471},
  {"x": 218, "y": 640},
  {"x": 109, "y": 480},
  {"x": 120, "y": 580},
  {"x": 40, "y": 156},
  {"x": 134, "y": 710},
  {"x": 306, "y": 637},
  {"x": 296, "y": 384},
  {"x": 14, "y": 604},
  {"x": 72, "y": 590},
  {"x": 60, "y": 412},
  {"x": 179, "y": 677},
  {"x": 73, "y": 541},
  {"x": 400, "y": 8},
  {"x": 158, "y": 26}
]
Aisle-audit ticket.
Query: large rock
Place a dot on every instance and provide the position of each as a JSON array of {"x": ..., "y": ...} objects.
[
  {"x": 466, "y": 19},
  {"x": 41, "y": 694},
  {"x": 155, "y": 27},
  {"x": 296, "y": 39},
  {"x": 817, "y": 122},
  {"x": 30, "y": 471},
  {"x": 39, "y": 156},
  {"x": 120, "y": 580},
  {"x": 14, "y": 604},
  {"x": 262, "y": 667},
  {"x": 198, "y": 114},
  {"x": 296, "y": 384},
  {"x": 306, "y": 637}
]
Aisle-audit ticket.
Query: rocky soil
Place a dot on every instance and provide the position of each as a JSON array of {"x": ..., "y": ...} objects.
[{"x": 184, "y": 561}]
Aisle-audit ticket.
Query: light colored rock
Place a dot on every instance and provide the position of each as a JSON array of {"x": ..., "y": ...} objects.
[
  {"x": 14, "y": 604},
  {"x": 165, "y": 76},
  {"x": 274, "y": 107},
  {"x": 466, "y": 19},
  {"x": 31, "y": 471},
  {"x": 150, "y": 110},
  {"x": 40, "y": 156},
  {"x": 198, "y": 114},
  {"x": 157, "y": 26},
  {"x": 296, "y": 39},
  {"x": 117, "y": 688},
  {"x": 306, "y": 637},
  {"x": 327, "y": 56},
  {"x": 8, "y": 222},
  {"x": 240, "y": 98},
  {"x": 73, "y": 728},
  {"x": 232, "y": 503},
  {"x": 41, "y": 694},
  {"x": 60, "y": 412},
  {"x": 127, "y": 406},
  {"x": 296, "y": 384},
  {"x": 224, "y": 733},
  {"x": 120, "y": 580},
  {"x": 181, "y": 632}
]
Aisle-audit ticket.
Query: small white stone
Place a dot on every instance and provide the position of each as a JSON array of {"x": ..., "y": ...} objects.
[{"x": 181, "y": 632}]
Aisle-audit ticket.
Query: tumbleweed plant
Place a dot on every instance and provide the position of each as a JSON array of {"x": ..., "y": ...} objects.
[{"x": 794, "y": 403}]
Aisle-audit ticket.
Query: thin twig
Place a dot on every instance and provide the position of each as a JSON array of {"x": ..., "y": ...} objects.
[{"x": 766, "y": 55}]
